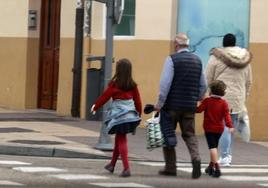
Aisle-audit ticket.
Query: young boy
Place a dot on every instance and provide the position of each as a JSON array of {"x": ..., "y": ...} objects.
[{"x": 216, "y": 111}]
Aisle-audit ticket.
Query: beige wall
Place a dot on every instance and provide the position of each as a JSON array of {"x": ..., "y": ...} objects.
[
  {"x": 153, "y": 19},
  {"x": 65, "y": 76},
  {"x": 35, "y": 5},
  {"x": 14, "y": 18},
  {"x": 98, "y": 15},
  {"x": 258, "y": 100},
  {"x": 67, "y": 29},
  {"x": 32, "y": 65},
  {"x": 67, "y": 33},
  {"x": 32, "y": 61},
  {"x": 19, "y": 56},
  {"x": 258, "y": 21},
  {"x": 13, "y": 72}
]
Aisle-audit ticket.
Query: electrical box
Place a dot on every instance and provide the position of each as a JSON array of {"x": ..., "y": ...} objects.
[{"x": 32, "y": 20}]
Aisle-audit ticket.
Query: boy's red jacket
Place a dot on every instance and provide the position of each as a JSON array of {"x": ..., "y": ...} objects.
[{"x": 216, "y": 111}]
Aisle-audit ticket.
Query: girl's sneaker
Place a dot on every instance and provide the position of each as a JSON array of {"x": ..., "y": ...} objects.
[{"x": 109, "y": 167}]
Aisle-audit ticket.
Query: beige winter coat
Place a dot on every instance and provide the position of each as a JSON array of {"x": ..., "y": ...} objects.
[{"x": 232, "y": 66}]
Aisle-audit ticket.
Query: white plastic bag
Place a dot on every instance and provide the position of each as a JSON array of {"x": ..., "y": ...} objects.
[{"x": 154, "y": 136}]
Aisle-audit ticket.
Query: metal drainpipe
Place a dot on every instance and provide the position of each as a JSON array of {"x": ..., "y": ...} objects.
[{"x": 78, "y": 58}]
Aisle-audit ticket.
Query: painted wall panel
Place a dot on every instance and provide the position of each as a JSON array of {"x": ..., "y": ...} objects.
[
  {"x": 258, "y": 21},
  {"x": 68, "y": 8},
  {"x": 14, "y": 18},
  {"x": 206, "y": 22}
]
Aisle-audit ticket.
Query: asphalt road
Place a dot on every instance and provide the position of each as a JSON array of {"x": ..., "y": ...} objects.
[{"x": 35, "y": 172}]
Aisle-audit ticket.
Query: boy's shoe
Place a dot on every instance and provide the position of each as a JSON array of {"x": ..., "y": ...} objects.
[
  {"x": 165, "y": 172},
  {"x": 110, "y": 168},
  {"x": 125, "y": 173},
  {"x": 196, "y": 173},
  {"x": 209, "y": 170},
  {"x": 217, "y": 172}
]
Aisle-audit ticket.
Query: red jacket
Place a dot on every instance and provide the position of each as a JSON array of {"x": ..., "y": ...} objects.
[
  {"x": 115, "y": 93},
  {"x": 216, "y": 111}
]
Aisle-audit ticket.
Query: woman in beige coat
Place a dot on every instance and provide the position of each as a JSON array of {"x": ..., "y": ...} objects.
[{"x": 231, "y": 64}]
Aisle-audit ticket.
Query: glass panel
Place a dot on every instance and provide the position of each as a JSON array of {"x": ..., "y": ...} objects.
[
  {"x": 206, "y": 22},
  {"x": 127, "y": 25}
]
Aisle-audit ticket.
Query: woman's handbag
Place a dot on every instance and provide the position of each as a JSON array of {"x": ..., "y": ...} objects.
[{"x": 154, "y": 135}]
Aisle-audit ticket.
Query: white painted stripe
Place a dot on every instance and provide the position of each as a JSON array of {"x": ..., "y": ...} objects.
[
  {"x": 4, "y": 182},
  {"x": 13, "y": 163},
  {"x": 39, "y": 169},
  {"x": 232, "y": 170},
  {"x": 120, "y": 185},
  {"x": 245, "y": 178},
  {"x": 204, "y": 165},
  {"x": 241, "y": 165},
  {"x": 78, "y": 176},
  {"x": 263, "y": 184},
  {"x": 162, "y": 164}
]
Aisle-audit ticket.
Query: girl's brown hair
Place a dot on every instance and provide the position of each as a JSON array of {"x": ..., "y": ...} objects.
[{"x": 123, "y": 75}]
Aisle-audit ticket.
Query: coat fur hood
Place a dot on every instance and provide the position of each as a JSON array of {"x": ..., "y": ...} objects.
[{"x": 234, "y": 57}]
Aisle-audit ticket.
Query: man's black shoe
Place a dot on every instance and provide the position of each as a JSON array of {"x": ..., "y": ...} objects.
[
  {"x": 164, "y": 172},
  {"x": 196, "y": 173}
]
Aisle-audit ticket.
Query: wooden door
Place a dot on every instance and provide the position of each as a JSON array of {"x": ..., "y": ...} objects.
[{"x": 49, "y": 54}]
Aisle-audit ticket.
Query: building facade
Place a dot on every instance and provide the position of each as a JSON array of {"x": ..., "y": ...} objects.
[{"x": 37, "y": 57}]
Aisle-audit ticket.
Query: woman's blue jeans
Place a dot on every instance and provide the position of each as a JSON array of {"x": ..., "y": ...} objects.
[{"x": 225, "y": 142}]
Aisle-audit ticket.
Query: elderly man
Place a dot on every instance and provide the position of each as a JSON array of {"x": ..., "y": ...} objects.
[{"x": 182, "y": 85}]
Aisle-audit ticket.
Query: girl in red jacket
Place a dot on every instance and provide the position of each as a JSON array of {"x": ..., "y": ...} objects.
[
  {"x": 123, "y": 116},
  {"x": 216, "y": 112}
]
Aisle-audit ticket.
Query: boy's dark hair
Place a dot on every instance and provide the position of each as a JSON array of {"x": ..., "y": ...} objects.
[
  {"x": 229, "y": 40},
  {"x": 217, "y": 87},
  {"x": 123, "y": 75}
]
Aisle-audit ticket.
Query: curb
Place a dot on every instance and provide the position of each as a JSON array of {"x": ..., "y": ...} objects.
[{"x": 47, "y": 152}]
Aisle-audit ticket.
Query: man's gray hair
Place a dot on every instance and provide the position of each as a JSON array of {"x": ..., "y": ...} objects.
[{"x": 182, "y": 39}]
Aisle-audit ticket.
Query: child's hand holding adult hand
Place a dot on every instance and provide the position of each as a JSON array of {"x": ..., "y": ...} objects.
[{"x": 92, "y": 109}]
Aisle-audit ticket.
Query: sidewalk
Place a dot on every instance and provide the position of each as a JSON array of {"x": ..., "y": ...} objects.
[{"x": 43, "y": 133}]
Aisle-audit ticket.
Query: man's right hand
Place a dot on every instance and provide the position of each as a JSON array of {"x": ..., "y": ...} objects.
[
  {"x": 156, "y": 108},
  {"x": 92, "y": 109}
]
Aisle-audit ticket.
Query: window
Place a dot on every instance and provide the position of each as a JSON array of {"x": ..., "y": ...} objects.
[{"x": 127, "y": 24}]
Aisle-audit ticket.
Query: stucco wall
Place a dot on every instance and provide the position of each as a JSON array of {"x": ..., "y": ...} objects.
[
  {"x": 13, "y": 50},
  {"x": 67, "y": 33},
  {"x": 258, "y": 99}
]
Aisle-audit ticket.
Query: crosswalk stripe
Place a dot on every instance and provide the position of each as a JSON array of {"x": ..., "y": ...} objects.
[
  {"x": 5, "y": 182},
  {"x": 39, "y": 169},
  {"x": 263, "y": 184},
  {"x": 232, "y": 170},
  {"x": 78, "y": 176},
  {"x": 121, "y": 185},
  {"x": 3, "y": 162},
  {"x": 162, "y": 164},
  {"x": 245, "y": 178},
  {"x": 203, "y": 165}
]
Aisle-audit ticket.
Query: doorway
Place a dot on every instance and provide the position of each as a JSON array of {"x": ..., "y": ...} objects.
[{"x": 49, "y": 54}]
